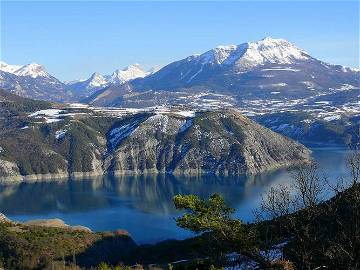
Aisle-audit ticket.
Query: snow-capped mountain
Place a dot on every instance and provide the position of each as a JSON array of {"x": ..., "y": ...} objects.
[
  {"x": 248, "y": 55},
  {"x": 251, "y": 74},
  {"x": 85, "y": 88},
  {"x": 268, "y": 63},
  {"x": 8, "y": 68},
  {"x": 33, "y": 70},
  {"x": 129, "y": 73},
  {"x": 33, "y": 81},
  {"x": 96, "y": 80}
]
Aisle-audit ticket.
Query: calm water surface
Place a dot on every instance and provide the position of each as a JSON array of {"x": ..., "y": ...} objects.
[{"x": 143, "y": 204}]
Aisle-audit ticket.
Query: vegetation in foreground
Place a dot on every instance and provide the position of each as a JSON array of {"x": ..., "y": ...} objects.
[{"x": 296, "y": 229}]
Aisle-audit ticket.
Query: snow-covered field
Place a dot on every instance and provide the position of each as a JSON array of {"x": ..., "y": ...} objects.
[
  {"x": 73, "y": 110},
  {"x": 187, "y": 104}
]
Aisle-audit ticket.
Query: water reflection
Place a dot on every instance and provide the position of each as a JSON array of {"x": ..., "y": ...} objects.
[
  {"x": 143, "y": 204},
  {"x": 149, "y": 193}
]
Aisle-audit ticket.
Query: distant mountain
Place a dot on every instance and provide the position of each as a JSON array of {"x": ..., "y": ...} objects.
[
  {"x": 269, "y": 74},
  {"x": 87, "y": 87},
  {"x": 8, "y": 68},
  {"x": 129, "y": 73},
  {"x": 33, "y": 81},
  {"x": 97, "y": 81},
  {"x": 266, "y": 69}
]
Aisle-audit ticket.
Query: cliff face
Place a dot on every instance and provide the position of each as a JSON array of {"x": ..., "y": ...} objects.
[
  {"x": 222, "y": 142},
  {"x": 66, "y": 142}
]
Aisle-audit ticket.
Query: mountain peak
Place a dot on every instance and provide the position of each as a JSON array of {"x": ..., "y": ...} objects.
[
  {"x": 251, "y": 54},
  {"x": 133, "y": 66},
  {"x": 96, "y": 75},
  {"x": 33, "y": 70},
  {"x": 96, "y": 80},
  {"x": 272, "y": 40},
  {"x": 128, "y": 73},
  {"x": 8, "y": 68}
]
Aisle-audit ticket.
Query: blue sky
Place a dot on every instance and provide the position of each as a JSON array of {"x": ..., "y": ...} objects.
[{"x": 74, "y": 39}]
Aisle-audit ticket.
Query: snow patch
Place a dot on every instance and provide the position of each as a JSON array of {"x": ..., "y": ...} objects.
[
  {"x": 186, "y": 113},
  {"x": 59, "y": 134},
  {"x": 47, "y": 112},
  {"x": 120, "y": 133},
  {"x": 197, "y": 73},
  {"x": 332, "y": 118},
  {"x": 158, "y": 121},
  {"x": 347, "y": 87},
  {"x": 186, "y": 125}
]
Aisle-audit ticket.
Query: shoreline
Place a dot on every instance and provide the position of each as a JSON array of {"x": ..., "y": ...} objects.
[{"x": 62, "y": 177}]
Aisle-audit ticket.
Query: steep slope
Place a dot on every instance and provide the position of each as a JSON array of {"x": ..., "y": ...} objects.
[
  {"x": 63, "y": 141},
  {"x": 221, "y": 142}
]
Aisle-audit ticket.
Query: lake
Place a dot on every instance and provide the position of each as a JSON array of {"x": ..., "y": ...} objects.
[{"x": 143, "y": 205}]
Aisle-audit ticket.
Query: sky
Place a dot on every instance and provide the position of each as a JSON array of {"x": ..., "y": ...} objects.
[{"x": 74, "y": 39}]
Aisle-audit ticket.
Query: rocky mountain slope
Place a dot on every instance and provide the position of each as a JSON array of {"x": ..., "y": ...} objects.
[{"x": 77, "y": 141}]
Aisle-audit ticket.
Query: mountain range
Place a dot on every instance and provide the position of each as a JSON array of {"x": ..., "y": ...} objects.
[
  {"x": 33, "y": 81},
  {"x": 85, "y": 88},
  {"x": 271, "y": 80},
  {"x": 265, "y": 69}
]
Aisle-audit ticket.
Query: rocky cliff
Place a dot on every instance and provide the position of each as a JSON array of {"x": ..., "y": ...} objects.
[{"x": 220, "y": 142}]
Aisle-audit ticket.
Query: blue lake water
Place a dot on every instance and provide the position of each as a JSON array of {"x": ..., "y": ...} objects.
[{"x": 143, "y": 205}]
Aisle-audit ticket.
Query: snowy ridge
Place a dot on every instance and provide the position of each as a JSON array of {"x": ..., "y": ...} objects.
[
  {"x": 247, "y": 55},
  {"x": 8, "y": 68},
  {"x": 96, "y": 81},
  {"x": 118, "y": 77},
  {"x": 33, "y": 70},
  {"x": 129, "y": 73}
]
